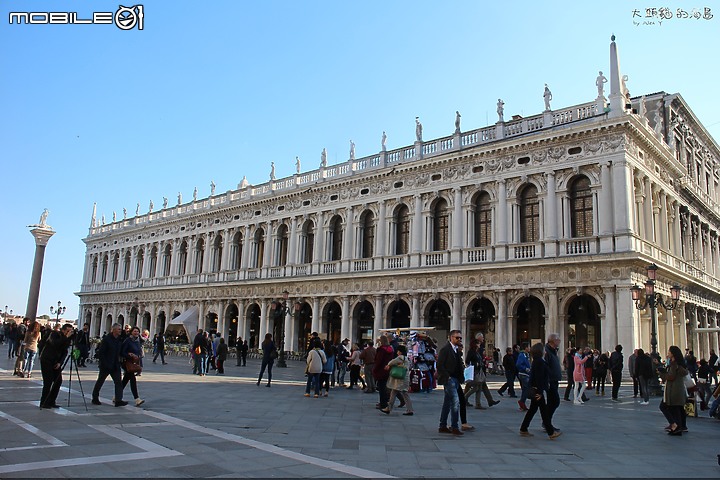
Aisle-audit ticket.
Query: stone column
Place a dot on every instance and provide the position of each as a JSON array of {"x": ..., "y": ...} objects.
[
  {"x": 608, "y": 333},
  {"x": 503, "y": 331},
  {"x": 501, "y": 225},
  {"x": 456, "y": 322},
  {"x": 648, "y": 211},
  {"x": 268, "y": 244},
  {"x": 288, "y": 330},
  {"x": 292, "y": 247},
  {"x": 622, "y": 213},
  {"x": 551, "y": 219},
  {"x": 415, "y": 313},
  {"x": 245, "y": 249},
  {"x": 379, "y": 320},
  {"x": 625, "y": 309},
  {"x": 225, "y": 259},
  {"x": 345, "y": 320},
  {"x": 264, "y": 321},
  {"x": 552, "y": 322},
  {"x": 457, "y": 227},
  {"x": 42, "y": 234},
  {"x": 316, "y": 327},
  {"x": 417, "y": 224},
  {"x": 243, "y": 330},
  {"x": 201, "y": 318},
  {"x": 349, "y": 240},
  {"x": 664, "y": 242},
  {"x": 318, "y": 255},
  {"x": 605, "y": 210}
]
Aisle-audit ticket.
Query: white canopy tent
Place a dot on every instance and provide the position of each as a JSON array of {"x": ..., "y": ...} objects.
[{"x": 189, "y": 320}]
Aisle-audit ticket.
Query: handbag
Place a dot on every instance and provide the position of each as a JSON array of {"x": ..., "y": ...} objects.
[
  {"x": 132, "y": 364},
  {"x": 198, "y": 350},
  {"x": 398, "y": 371},
  {"x": 469, "y": 373},
  {"x": 480, "y": 376},
  {"x": 273, "y": 354},
  {"x": 689, "y": 382}
]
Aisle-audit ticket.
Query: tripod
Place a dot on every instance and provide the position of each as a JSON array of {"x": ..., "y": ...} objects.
[{"x": 73, "y": 358}]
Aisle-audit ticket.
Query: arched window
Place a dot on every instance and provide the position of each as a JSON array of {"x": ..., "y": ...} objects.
[
  {"x": 282, "y": 245},
  {"x": 308, "y": 241},
  {"x": 259, "y": 247},
  {"x": 581, "y": 208},
  {"x": 182, "y": 258},
  {"x": 167, "y": 258},
  {"x": 236, "y": 246},
  {"x": 367, "y": 226},
  {"x": 217, "y": 254},
  {"x": 104, "y": 268},
  {"x": 402, "y": 230},
  {"x": 153, "y": 262},
  {"x": 440, "y": 220},
  {"x": 115, "y": 267},
  {"x": 199, "y": 255},
  {"x": 529, "y": 215},
  {"x": 139, "y": 263},
  {"x": 483, "y": 220},
  {"x": 126, "y": 266},
  {"x": 336, "y": 240}
]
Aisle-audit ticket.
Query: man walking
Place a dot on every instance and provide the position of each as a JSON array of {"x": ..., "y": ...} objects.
[
  {"x": 554, "y": 373},
  {"x": 616, "y": 368},
  {"x": 108, "y": 354},
  {"x": 450, "y": 375},
  {"x": 510, "y": 372},
  {"x": 368, "y": 358},
  {"x": 159, "y": 341}
]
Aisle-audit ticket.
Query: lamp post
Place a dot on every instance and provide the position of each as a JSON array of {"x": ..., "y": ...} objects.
[
  {"x": 57, "y": 312},
  {"x": 281, "y": 309},
  {"x": 653, "y": 299}
]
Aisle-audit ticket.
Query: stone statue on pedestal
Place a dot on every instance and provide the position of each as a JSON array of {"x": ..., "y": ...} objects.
[
  {"x": 179, "y": 198},
  {"x": 102, "y": 219},
  {"x": 383, "y": 141},
  {"x": 418, "y": 129},
  {"x": 272, "y": 170},
  {"x": 500, "y": 110},
  {"x": 457, "y": 121},
  {"x": 212, "y": 188},
  {"x": 152, "y": 205},
  {"x": 195, "y": 195},
  {"x": 124, "y": 213},
  {"x": 352, "y": 150},
  {"x": 114, "y": 218},
  {"x": 165, "y": 202},
  {"x": 297, "y": 165},
  {"x": 600, "y": 82},
  {"x": 323, "y": 159},
  {"x": 547, "y": 96},
  {"x": 137, "y": 210},
  {"x": 43, "y": 218}
]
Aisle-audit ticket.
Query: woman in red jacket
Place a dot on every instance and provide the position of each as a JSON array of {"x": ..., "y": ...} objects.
[{"x": 382, "y": 357}]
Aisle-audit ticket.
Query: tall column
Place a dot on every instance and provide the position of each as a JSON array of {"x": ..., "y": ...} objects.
[
  {"x": 292, "y": 248},
  {"x": 456, "y": 322},
  {"x": 551, "y": 219},
  {"x": 417, "y": 223},
  {"x": 264, "y": 321},
  {"x": 415, "y": 314},
  {"x": 268, "y": 244},
  {"x": 380, "y": 239},
  {"x": 625, "y": 318},
  {"x": 345, "y": 320},
  {"x": 225, "y": 260},
  {"x": 605, "y": 210},
  {"x": 379, "y": 320},
  {"x": 316, "y": 315},
  {"x": 623, "y": 190},
  {"x": 201, "y": 318},
  {"x": 501, "y": 225},
  {"x": 349, "y": 240},
  {"x": 287, "y": 329},
  {"x": 42, "y": 234},
  {"x": 318, "y": 255},
  {"x": 245, "y": 254},
  {"x": 664, "y": 220},
  {"x": 503, "y": 331},
  {"x": 648, "y": 211},
  {"x": 552, "y": 323},
  {"x": 243, "y": 330},
  {"x": 457, "y": 227},
  {"x": 608, "y": 333}
]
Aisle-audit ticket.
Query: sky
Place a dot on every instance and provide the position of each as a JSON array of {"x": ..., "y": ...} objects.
[{"x": 214, "y": 91}]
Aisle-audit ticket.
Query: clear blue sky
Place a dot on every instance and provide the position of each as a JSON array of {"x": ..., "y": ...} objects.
[{"x": 218, "y": 90}]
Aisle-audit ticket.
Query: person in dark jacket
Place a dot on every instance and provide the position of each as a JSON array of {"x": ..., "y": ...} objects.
[
  {"x": 450, "y": 375},
  {"x": 83, "y": 343},
  {"x": 538, "y": 387},
  {"x": 131, "y": 351},
  {"x": 601, "y": 369},
  {"x": 554, "y": 372},
  {"x": 159, "y": 344},
  {"x": 510, "y": 372},
  {"x": 270, "y": 353},
  {"x": 383, "y": 355},
  {"x": 52, "y": 358},
  {"x": 199, "y": 351},
  {"x": 108, "y": 355},
  {"x": 616, "y": 368},
  {"x": 569, "y": 365},
  {"x": 222, "y": 354},
  {"x": 643, "y": 372}
]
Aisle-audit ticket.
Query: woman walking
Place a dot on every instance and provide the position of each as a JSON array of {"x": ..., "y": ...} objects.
[
  {"x": 538, "y": 385},
  {"x": 31, "y": 340},
  {"x": 328, "y": 367},
  {"x": 131, "y": 352},
  {"x": 478, "y": 384},
  {"x": 355, "y": 366},
  {"x": 579, "y": 377},
  {"x": 398, "y": 382},
  {"x": 675, "y": 395},
  {"x": 270, "y": 353},
  {"x": 316, "y": 358}
]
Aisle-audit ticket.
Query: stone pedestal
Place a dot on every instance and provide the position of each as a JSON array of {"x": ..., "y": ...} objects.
[
  {"x": 418, "y": 150},
  {"x": 42, "y": 235}
]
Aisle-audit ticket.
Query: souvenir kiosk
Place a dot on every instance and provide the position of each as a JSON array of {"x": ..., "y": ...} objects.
[{"x": 422, "y": 353}]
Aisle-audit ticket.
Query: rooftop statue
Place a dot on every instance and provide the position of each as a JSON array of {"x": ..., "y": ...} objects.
[
  {"x": 43, "y": 218},
  {"x": 165, "y": 202},
  {"x": 457, "y": 121},
  {"x": 152, "y": 205},
  {"x": 272, "y": 170},
  {"x": 212, "y": 188},
  {"x": 500, "y": 110},
  {"x": 195, "y": 195},
  {"x": 383, "y": 141},
  {"x": 179, "y": 198},
  {"x": 352, "y": 150},
  {"x": 547, "y": 96},
  {"x": 418, "y": 129},
  {"x": 600, "y": 82},
  {"x": 297, "y": 164},
  {"x": 137, "y": 210},
  {"x": 323, "y": 159},
  {"x": 114, "y": 218},
  {"x": 124, "y": 213}
]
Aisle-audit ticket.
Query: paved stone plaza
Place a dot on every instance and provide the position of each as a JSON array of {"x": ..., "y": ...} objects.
[{"x": 226, "y": 426}]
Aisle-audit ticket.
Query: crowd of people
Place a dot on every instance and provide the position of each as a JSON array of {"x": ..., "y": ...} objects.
[{"x": 384, "y": 368}]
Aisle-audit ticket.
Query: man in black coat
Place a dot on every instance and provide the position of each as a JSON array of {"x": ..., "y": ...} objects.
[
  {"x": 52, "y": 358},
  {"x": 450, "y": 375},
  {"x": 108, "y": 354},
  {"x": 616, "y": 368}
]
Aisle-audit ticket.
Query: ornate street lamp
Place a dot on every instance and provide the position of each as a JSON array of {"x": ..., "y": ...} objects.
[
  {"x": 653, "y": 299},
  {"x": 59, "y": 311}
]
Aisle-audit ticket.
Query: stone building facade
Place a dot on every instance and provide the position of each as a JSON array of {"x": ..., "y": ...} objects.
[{"x": 526, "y": 227}]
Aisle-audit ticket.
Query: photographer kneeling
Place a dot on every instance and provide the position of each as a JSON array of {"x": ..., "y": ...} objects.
[{"x": 52, "y": 359}]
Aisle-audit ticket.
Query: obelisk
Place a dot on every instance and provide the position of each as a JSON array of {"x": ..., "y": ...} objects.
[{"x": 42, "y": 233}]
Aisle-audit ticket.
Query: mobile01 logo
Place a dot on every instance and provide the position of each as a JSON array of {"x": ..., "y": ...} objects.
[{"x": 125, "y": 18}]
